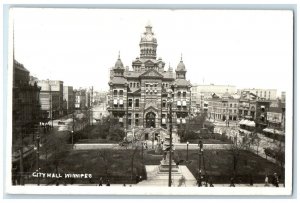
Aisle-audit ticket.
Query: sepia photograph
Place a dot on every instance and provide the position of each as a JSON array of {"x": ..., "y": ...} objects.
[{"x": 150, "y": 101}]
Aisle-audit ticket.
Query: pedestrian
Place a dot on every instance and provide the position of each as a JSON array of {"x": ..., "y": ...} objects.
[
  {"x": 107, "y": 182},
  {"x": 231, "y": 182},
  {"x": 124, "y": 185},
  {"x": 251, "y": 180},
  {"x": 266, "y": 181},
  {"x": 276, "y": 180},
  {"x": 199, "y": 182},
  {"x": 210, "y": 182},
  {"x": 206, "y": 181},
  {"x": 137, "y": 179},
  {"x": 100, "y": 181}
]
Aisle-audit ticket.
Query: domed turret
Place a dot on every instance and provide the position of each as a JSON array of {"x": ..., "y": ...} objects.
[
  {"x": 148, "y": 44},
  {"x": 119, "y": 63},
  {"x": 180, "y": 70},
  {"x": 118, "y": 70},
  {"x": 181, "y": 66}
]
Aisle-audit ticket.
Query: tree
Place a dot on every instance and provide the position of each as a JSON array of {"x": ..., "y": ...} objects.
[
  {"x": 193, "y": 127},
  {"x": 236, "y": 148},
  {"x": 105, "y": 155},
  {"x": 110, "y": 128},
  {"x": 136, "y": 144},
  {"x": 255, "y": 140},
  {"x": 54, "y": 145}
]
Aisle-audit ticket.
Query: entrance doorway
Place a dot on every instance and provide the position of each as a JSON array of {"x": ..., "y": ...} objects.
[{"x": 150, "y": 120}]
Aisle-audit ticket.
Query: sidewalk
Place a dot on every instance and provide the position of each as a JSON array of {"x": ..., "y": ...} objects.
[{"x": 165, "y": 184}]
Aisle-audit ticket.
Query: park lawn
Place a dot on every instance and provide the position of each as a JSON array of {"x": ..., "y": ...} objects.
[{"x": 218, "y": 165}]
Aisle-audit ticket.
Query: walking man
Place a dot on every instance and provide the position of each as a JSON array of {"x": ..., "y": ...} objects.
[
  {"x": 100, "y": 181},
  {"x": 266, "y": 181},
  {"x": 231, "y": 182}
]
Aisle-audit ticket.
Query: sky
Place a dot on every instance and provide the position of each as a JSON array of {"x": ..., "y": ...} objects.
[{"x": 248, "y": 49}]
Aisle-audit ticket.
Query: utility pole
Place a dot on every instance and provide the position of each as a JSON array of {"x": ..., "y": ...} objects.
[
  {"x": 21, "y": 161},
  {"x": 170, "y": 152},
  {"x": 92, "y": 103},
  {"x": 73, "y": 128},
  {"x": 200, "y": 144},
  {"x": 171, "y": 96},
  {"x": 51, "y": 107},
  {"x": 38, "y": 157}
]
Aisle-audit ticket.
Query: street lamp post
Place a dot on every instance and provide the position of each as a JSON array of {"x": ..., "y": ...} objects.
[
  {"x": 187, "y": 151},
  {"x": 142, "y": 152},
  {"x": 72, "y": 137},
  {"x": 200, "y": 144},
  {"x": 170, "y": 98},
  {"x": 73, "y": 128}
]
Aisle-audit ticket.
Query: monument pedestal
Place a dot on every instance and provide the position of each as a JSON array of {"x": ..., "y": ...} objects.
[{"x": 164, "y": 166}]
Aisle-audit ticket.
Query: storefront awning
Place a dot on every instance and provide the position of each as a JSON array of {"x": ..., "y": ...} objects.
[
  {"x": 250, "y": 123},
  {"x": 242, "y": 122},
  {"x": 245, "y": 131},
  {"x": 274, "y": 131}
]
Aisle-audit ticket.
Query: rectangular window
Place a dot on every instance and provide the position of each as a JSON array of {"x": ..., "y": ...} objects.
[
  {"x": 121, "y": 92},
  {"x": 115, "y": 92},
  {"x": 129, "y": 102},
  {"x": 136, "y": 122},
  {"x": 164, "y": 103},
  {"x": 121, "y": 102},
  {"x": 136, "y": 115},
  {"x": 115, "y": 103},
  {"x": 184, "y": 94},
  {"x": 137, "y": 104}
]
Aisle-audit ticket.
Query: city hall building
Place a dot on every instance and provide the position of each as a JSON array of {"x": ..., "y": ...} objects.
[{"x": 138, "y": 97}]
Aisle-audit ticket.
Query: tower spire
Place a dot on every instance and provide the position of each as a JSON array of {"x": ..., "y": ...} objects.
[
  {"x": 181, "y": 57},
  {"x": 13, "y": 40},
  {"x": 119, "y": 55}
]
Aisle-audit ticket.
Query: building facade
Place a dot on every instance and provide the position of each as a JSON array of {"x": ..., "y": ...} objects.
[
  {"x": 247, "y": 105},
  {"x": 26, "y": 107},
  {"x": 80, "y": 99},
  {"x": 69, "y": 98},
  {"x": 202, "y": 92},
  {"x": 224, "y": 108},
  {"x": 138, "y": 97},
  {"x": 266, "y": 94},
  {"x": 51, "y": 97}
]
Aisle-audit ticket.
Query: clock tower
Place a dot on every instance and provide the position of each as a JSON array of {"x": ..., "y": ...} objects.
[{"x": 148, "y": 44}]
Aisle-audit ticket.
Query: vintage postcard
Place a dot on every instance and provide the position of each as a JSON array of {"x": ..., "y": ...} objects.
[{"x": 150, "y": 101}]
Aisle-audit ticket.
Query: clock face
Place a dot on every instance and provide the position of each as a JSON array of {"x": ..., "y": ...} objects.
[{"x": 149, "y": 37}]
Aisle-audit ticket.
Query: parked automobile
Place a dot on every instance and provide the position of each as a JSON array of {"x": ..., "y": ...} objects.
[{"x": 61, "y": 123}]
